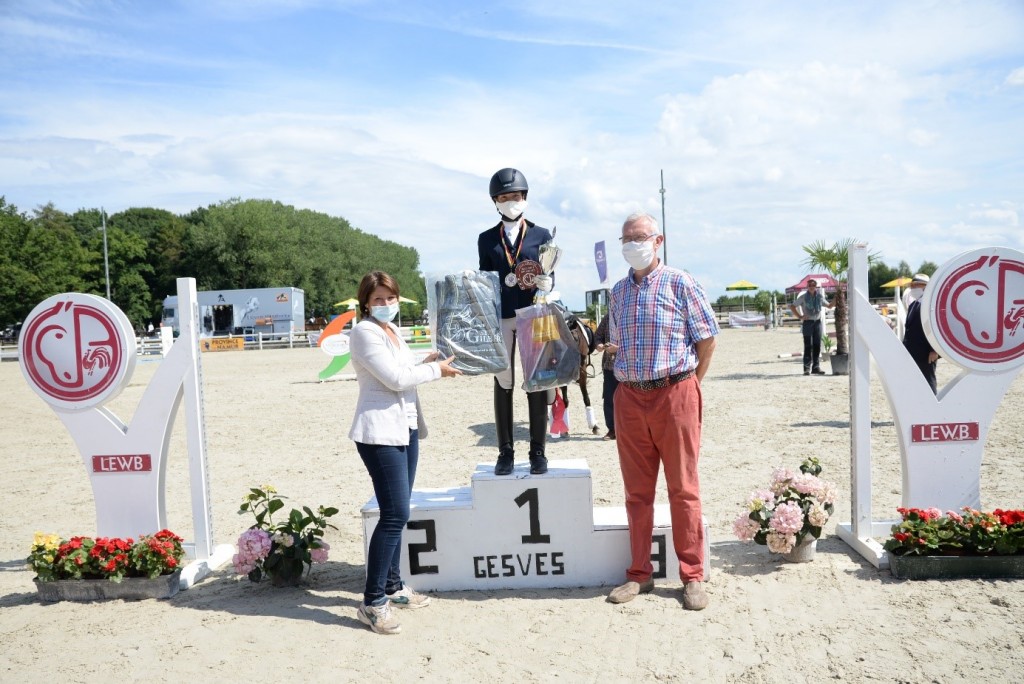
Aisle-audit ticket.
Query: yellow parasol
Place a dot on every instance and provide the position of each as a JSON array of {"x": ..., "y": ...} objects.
[
  {"x": 902, "y": 281},
  {"x": 742, "y": 285}
]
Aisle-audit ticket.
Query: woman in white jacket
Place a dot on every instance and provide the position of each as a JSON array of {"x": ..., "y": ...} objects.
[{"x": 387, "y": 427}]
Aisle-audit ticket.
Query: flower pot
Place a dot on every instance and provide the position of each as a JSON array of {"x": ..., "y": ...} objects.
[
  {"x": 840, "y": 363},
  {"x": 802, "y": 552},
  {"x": 285, "y": 579},
  {"x": 128, "y": 589},
  {"x": 284, "y": 571},
  {"x": 956, "y": 567}
]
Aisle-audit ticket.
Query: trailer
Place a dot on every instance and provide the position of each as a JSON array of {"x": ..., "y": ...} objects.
[{"x": 244, "y": 312}]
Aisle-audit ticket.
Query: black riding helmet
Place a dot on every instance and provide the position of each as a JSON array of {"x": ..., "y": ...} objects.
[{"x": 509, "y": 180}]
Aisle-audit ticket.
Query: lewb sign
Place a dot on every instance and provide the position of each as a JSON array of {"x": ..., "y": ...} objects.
[
  {"x": 944, "y": 432},
  {"x": 128, "y": 463}
]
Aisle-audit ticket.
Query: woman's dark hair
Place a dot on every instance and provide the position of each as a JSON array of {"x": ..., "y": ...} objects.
[{"x": 368, "y": 284}]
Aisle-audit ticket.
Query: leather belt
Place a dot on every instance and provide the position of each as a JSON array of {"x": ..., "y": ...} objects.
[{"x": 648, "y": 385}]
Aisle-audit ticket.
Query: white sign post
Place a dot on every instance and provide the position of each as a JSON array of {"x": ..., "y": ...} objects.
[
  {"x": 77, "y": 352},
  {"x": 973, "y": 316}
]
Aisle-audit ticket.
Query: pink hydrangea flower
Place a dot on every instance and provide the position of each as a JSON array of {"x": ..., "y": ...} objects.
[
  {"x": 744, "y": 528},
  {"x": 253, "y": 547},
  {"x": 780, "y": 479},
  {"x": 788, "y": 518},
  {"x": 805, "y": 483},
  {"x": 761, "y": 498},
  {"x": 319, "y": 555}
]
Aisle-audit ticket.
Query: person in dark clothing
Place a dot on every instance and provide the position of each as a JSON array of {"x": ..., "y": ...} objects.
[
  {"x": 512, "y": 248},
  {"x": 808, "y": 308},
  {"x": 604, "y": 345},
  {"x": 914, "y": 339}
]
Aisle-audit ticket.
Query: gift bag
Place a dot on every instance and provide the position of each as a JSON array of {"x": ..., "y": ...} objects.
[
  {"x": 547, "y": 350},
  {"x": 465, "y": 321}
]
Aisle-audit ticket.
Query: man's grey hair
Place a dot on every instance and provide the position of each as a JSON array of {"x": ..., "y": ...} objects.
[{"x": 639, "y": 216}]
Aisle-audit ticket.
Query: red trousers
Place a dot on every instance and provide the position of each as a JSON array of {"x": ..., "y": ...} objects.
[{"x": 652, "y": 428}]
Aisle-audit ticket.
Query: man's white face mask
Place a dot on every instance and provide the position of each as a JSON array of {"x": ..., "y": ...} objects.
[
  {"x": 639, "y": 255},
  {"x": 511, "y": 210},
  {"x": 915, "y": 293}
]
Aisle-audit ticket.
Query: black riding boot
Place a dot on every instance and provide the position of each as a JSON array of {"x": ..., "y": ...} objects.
[
  {"x": 503, "y": 426},
  {"x": 538, "y": 405}
]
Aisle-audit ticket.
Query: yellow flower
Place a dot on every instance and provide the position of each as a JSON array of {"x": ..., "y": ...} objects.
[
  {"x": 269, "y": 489},
  {"x": 46, "y": 541}
]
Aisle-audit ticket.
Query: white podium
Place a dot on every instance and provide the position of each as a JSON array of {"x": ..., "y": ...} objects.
[{"x": 523, "y": 531}]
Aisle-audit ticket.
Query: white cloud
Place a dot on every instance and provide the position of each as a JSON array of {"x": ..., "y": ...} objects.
[
  {"x": 1016, "y": 77},
  {"x": 772, "y": 129},
  {"x": 1006, "y": 216}
]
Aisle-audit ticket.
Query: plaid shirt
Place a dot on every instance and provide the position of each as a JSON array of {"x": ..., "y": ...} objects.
[{"x": 657, "y": 323}]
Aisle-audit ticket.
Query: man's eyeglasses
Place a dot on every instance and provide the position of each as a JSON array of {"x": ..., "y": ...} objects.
[{"x": 636, "y": 238}]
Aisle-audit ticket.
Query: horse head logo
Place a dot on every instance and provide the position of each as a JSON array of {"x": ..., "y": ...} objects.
[
  {"x": 974, "y": 303},
  {"x": 980, "y": 309},
  {"x": 73, "y": 350}
]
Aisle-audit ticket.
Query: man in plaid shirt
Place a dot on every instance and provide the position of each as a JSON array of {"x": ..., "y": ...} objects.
[{"x": 665, "y": 330}]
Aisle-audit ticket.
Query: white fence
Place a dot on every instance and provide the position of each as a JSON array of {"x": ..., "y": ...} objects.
[{"x": 150, "y": 346}]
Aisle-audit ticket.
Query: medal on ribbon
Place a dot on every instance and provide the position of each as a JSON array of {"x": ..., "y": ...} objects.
[
  {"x": 512, "y": 278},
  {"x": 526, "y": 272}
]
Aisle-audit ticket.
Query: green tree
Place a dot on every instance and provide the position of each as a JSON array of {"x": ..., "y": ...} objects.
[
  {"x": 40, "y": 256},
  {"x": 232, "y": 245},
  {"x": 164, "y": 236},
  {"x": 260, "y": 243},
  {"x": 130, "y": 272},
  {"x": 878, "y": 275}
]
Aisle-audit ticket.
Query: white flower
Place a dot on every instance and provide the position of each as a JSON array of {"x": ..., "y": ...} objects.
[
  {"x": 284, "y": 539},
  {"x": 780, "y": 543},
  {"x": 826, "y": 494},
  {"x": 817, "y": 516}
]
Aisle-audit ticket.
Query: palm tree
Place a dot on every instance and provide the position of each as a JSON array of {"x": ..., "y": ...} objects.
[{"x": 834, "y": 259}]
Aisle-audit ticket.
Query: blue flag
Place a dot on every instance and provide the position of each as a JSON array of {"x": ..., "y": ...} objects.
[{"x": 601, "y": 261}]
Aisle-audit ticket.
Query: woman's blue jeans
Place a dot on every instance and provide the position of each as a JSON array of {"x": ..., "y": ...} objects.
[{"x": 393, "y": 471}]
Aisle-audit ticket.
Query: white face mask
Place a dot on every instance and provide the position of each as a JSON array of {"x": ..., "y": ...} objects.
[
  {"x": 511, "y": 210},
  {"x": 384, "y": 314},
  {"x": 915, "y": 293},
  {"x": 639, "y": 255}
]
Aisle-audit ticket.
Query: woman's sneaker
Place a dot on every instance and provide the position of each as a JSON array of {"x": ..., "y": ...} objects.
[
  {"x": 407, "y": 597},
  {"x": 381, "y": 619}
]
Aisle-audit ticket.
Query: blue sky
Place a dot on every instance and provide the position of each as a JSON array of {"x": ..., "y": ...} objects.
[{"x": 776, "y": 123}]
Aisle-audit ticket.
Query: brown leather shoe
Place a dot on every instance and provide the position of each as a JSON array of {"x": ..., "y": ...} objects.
[
  {"x": 629, "y": 591},
  {"x": 694, "y": 596},
  {"x": 609, "y": 436}
]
